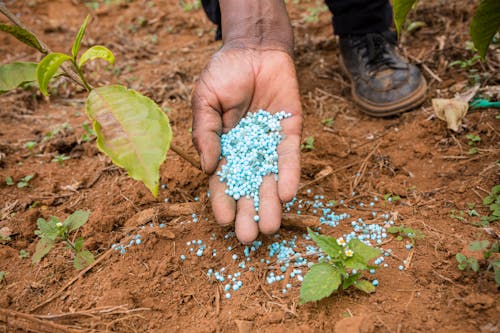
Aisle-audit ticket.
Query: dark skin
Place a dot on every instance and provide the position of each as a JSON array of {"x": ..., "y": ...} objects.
[{"x": 253, "y": 70}]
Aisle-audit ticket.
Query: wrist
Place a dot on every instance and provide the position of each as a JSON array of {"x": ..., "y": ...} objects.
[{"x": 256, "y": 24}]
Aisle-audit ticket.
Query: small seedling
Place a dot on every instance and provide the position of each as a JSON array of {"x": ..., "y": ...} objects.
[
  {"x": 389, "y": 197},
  {"x": 189, "y": 6},
  {"x": 473, "y": 141},
  {"x": 492, "y": 201},
  {"x": 465, "y": 63},
  {"x": 30, "y": 145},
  {"x": 89, "y": 134},
  {"x": 313, "y": 13},
  {"x": 25, "y": 182},
  {"x": 488, "y": 263},
  {"x": 457, "y": 215},
  {"x": 4, "y": 239},
  {"x": 308, "y": 143},
  {"x": 23, "y": 254},
  {"x": 327, "y": 122},
  {"x": 53, "y": 231},
  {"x": 9, "y": 181},
  {"x": 402, "y": 232},
  {"x": 2, "y": 275},
  {"x": 60, "y": 158},
  {"x": 332, "y": 273}
]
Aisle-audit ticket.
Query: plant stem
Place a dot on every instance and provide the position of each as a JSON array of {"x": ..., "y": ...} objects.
[
  {"x": 80, "y": 74},
  {"x": 179, "y": 151},
  {"x": 70, "y": 244}
]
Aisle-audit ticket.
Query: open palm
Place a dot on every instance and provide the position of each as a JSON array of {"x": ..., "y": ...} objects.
[{"x": 236, "y": 81}]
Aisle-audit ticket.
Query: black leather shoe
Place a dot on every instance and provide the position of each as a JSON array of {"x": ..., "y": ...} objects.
[{"x": 382, "y": 82}]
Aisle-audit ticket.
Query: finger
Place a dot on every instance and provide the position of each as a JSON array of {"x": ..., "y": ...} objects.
[
  {"x": 223, "y": 206},
  {"x": 207, "y": 127},
  {"x": 270, "y": 206},
  {"x": 289, "y": 157},
  {"x": 246, "y": 228}
]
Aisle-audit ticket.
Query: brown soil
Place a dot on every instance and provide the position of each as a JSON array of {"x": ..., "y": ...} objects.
[{"x": 160, "y": 51}]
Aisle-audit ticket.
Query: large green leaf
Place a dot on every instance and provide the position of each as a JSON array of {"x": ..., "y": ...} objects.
[
  {"x": 47, "y": 229},
  {"x": 132, "y": 130},
  {"x": 43, "y": 247},
  {"x": 485, "y": 24},
  {"x": 401, "y": 8},
  {"x": 320, "y": 282},
  {"x": 96, "y": 52},
  {"x": 22, "y": 35},
  {"x": 16, "y": 74},
  {"x": 76, "y": 220},
  {"x": 79, "y": 37},
  {"x": 327, "y": 244},
  {"x": 366, "y": 252},
  {"x": 47, "y": 67}
]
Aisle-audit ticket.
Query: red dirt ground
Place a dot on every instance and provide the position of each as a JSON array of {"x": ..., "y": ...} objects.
[{"x": 160, "y": 51}]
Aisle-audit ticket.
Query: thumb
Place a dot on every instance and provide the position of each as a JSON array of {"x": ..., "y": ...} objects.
[{"x": 207, "y": 127}]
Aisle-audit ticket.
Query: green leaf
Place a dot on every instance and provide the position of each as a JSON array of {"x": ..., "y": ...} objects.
[
  {"x": 485, "y": 24},
  {"x": 488, "y": 200},
  {"x": 327, "y": 244},
  {"x": 16, "y": 74},
  {"x": 478, "y": 245},
  {"x": 460, "y": 258},
  {"x": 356, "y": 262},
  {"x": 401, "y": 8},
  {"x": 320, "y": 282},
  {"x": 48, "y": 229},
  {"x": 495, "y": 190},
  {"x": 394, "y": 230},
  {"x": 366, "y": 252},
  {"x": 474, "y": 264},
  {"x": 9, "y": 181},
  {"x": 76, "y": 220},
  {"x": 43, "y": 247},
  {"x": 23, "y": 36},
  {"x": 132, "y": 130},
  {"x": 97, "y": 52},
  {"x": 79, "y": 243},
  {"x": 83, "y": 259},
  {"x": 78, "y": 39},
  {"x": 365, "y": 286},
  {"x": 350, "y": 280},
  {"x": 47, "y": 67},
  {"x": 497, "y": 275}
]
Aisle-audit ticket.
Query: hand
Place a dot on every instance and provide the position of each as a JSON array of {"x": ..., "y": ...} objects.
[{"x": 238, "y": 80}]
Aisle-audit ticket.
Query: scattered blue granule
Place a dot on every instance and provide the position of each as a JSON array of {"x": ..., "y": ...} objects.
[{"x": 250, "y": 150}]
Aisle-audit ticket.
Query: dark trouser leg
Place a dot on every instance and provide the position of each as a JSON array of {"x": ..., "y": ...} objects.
[
  {"x": 357, "y": 17},
  {"x": 212, "y": 9}
]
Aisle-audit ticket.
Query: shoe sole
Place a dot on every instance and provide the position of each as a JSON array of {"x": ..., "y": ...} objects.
[{"x": 388, "y": 109}]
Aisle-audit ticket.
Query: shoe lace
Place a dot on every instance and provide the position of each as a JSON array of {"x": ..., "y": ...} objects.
[{"x": 374, "y": 48}]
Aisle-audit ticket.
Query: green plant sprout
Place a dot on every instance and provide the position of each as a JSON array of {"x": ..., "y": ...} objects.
[
  {"x": 89, "y": 133},
  {"x": 30, "y": 145},
  {"x": 492, "y": 201},
  {"x": 473, "y": 140},
  {"x": 328, "y": 122},
  {"x": 56, "y": 131},
  {"x": 4, "y": 239},
  {"x": 342, "y": 268},
  {"x": 389, "y": 197},
  {"x": 53, "y": 231},
  {"x": 466, "y": 63},
  {"x": 487, "y": 262},
  {"x": 308, "y": 144},
  {"x": 313, "y": 13},
  {"x": 457, "y": 215},
  {"x": 130, "y": 128},
  {"x": 3, "y": 274},
  {"x": 9, "y": 181},
  {"x": 60, "y": 158},
  {"x": 189, "y": 6},
  {"x": 402, "y": 232},
  {"x": 23, "y": 254},
  {"x": 25, "y": 181},
  {"x": 485, "y": 22}
]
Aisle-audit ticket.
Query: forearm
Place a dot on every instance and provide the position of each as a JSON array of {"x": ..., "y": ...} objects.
[{"x": 262, "y": 24}]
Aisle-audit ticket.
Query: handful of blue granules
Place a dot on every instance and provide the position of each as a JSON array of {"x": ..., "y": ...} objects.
[{"x": 250, "y": 150}]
